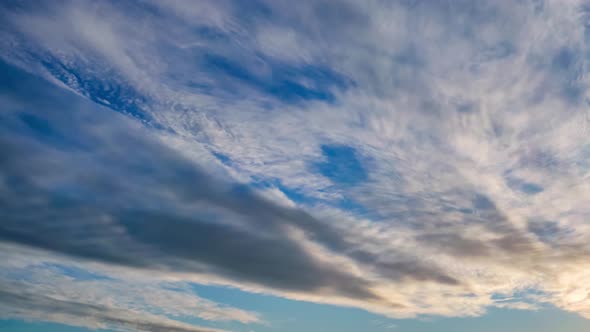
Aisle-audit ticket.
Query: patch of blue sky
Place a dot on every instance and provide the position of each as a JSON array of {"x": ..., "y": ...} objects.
[
  {"x": 342, "y": 165},
  {"x": 299, "y": 197},
  {"x": 289, "y": 316},
  {"x": 223, "y": 158},
  {"x": 75, "y": 272},
  {"x": 115, "y": 95},
  {"x": 522, "y": 186},
  {"x": 546, "y": 319},
  {"x": 286, "y": 82},
  {"x": 295, "y": 195},
  {"x": 294, "y": 316}
]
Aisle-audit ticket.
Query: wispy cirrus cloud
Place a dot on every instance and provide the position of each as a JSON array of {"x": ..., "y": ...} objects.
[{"x": 425, "y": 158}]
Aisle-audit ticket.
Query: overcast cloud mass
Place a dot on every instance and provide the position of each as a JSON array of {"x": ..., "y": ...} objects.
[{"x": 407, "y": 158}]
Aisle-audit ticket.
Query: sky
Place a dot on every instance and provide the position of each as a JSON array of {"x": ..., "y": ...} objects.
[{"x": 317, "y": 165}]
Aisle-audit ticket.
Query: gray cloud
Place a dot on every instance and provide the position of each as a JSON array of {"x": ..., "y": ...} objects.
[
  {"x": 118, "y": 181},
  {"x": 87, "y": 187},
  {"x": 19, "y": 303}
]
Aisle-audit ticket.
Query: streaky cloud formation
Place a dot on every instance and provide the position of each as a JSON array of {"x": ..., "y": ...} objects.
[
  {"x": 406, "y": 158},
  {"x": 104, "y": 178},
  {"x": 39, "y": 307}
]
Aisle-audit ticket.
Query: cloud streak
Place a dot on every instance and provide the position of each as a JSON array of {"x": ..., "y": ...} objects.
[{"x": 99, "y": 199}]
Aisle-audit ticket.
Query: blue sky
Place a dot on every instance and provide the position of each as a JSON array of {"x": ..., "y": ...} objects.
[{"x": 270, "y": 166}]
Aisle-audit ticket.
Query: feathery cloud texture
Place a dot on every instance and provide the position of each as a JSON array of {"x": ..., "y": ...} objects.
[{"x": 407, "y": 158}]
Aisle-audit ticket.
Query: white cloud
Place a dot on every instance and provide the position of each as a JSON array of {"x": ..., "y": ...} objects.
[{"x": 449, "y": 103}]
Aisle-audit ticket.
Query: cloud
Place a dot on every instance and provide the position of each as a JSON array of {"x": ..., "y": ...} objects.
[
  {"x": 104, "y": 176},
  {"x": 36, "y": 285},
  {"x": 432, "y": 153},
  {"x": 17, "y": 303},
  {"x": 118, "y": 224}
]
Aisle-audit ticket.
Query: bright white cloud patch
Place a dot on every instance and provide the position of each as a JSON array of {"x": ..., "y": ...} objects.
[{"x": 440, "y": 150}]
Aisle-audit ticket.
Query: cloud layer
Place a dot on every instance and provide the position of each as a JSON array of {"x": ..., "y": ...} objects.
[{"x": 405, "y": 158}]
